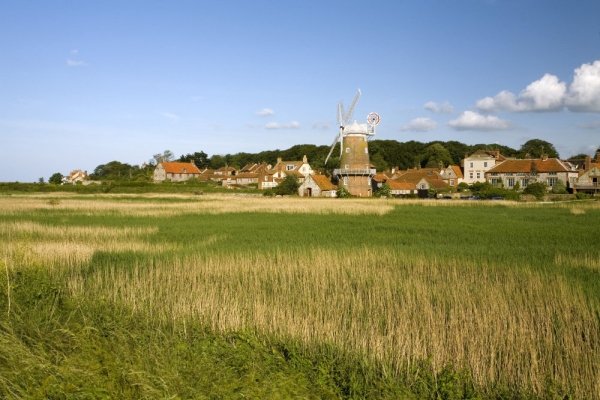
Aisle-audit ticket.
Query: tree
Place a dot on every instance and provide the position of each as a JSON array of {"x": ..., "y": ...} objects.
[
  {"x": 433, "y": 156},
  {"x": 167, "y": 156},
  {"x": 217, "y": 161},
  {"x": 289, "y": 186},
  {"x": 200, "y": 159},
  {"x": 384, "y": 191},
  {"x": 41, "y": 180},
  {"x": 56, "y": 178},
  {"x": 379, "y": 162},
  {"x": 580, "y": 156},
  {"x": 536, "y": 147}
]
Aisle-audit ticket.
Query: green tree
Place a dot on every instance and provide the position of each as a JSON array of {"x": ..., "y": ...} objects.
[
  {"x": 433, "y": 156},
  {"x": 289, "y": 186},
  {"x": 536, "y": 147},
  {"x": 200, "y": 159},
  {"x": 580, "y": 156},
  {"x": 41, "y": 180},
  {"x": 342, "y": 192},
  {"x": 384, "y": 191},
  {"x": 559, "y": 187},
  {"x": 379, "y": 162},
  {"x": 538, "y": 189},
  {"x": 217, "y": 161},
  {"x": 56, "y": 178}
]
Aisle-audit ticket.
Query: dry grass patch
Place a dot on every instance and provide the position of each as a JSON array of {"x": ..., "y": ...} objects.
[{"x": 512, "y": 326}]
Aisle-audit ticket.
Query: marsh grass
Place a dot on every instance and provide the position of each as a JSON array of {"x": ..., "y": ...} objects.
[{"x": 505, "y": 292}]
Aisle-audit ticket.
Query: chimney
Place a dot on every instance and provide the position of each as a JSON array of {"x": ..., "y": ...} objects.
[
  {"x": 466, "y": 155},
  {"x": 160, "y": 160},
  {"x": 441, "y": 166},
  {"x": 393, "y": 170},
  {"x": 278, "y": 160},
  {"x": 527, "y": 155},
  {"x": 418, "y": 167},
  {"x": 192, "y": 161},
  {"x": 304, "y": 159},
  {"x": 588, "y": 163},
  {"x": 598, "y": 156},
  {"x": 544, "y": 157}
]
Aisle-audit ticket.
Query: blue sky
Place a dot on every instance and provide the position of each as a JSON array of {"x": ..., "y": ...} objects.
[{"x": 85, "y": 83}]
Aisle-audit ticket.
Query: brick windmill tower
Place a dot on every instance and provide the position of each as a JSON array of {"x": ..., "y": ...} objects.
[{"x": 355, "y": 170}]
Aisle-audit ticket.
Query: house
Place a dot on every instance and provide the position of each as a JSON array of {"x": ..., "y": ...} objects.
[
  {"x": 272, "y": 177},
  {"x": 317, "y": 186},
  {"x": 526, "y": 171},
  {"x": 422, "y": 179},
  {"x": 175, "y": 171},
  {"x": 75, "y": 176},
  {"x": 477, "y": 164},
  {"x": 452, "y": 175},
  {"x": 589, "y": 181}
]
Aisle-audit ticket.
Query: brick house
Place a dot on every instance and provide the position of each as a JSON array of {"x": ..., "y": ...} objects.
[
  {"x": 175, "y": 171},
  {"x": 317, "y": 186}
]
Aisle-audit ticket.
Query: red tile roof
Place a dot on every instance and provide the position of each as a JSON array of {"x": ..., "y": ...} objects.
[
  {"x": 323, "y": 182},
  {"x": 179, "y": 167},
  {"x": 550, "y": 165},
  {"x": 457, "y": 171}
]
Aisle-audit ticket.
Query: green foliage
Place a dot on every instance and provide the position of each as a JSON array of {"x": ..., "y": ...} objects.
[
  {"x": 384, "y": 191},
  {"x": 433, "y": 156},
  {"x": 342, "y": 193},
  {"x": 583, "y": 196},
  {"x": 56, "y": 178},
  {"x": 463, "y": 186},
  {"x": 536, "y": 147},
  {"x": 200, "y": 159},
  {"x": 217, "y": 161},
  {"x": 269, "y": 193},
  {"x": 580, "y": 156},
  {"x": 537, "y": 189},
  {"x": 486, "y": 190},
  {"x": 379, "y": 162},
  {"x": 559, "y": 187},
  {"x": 289, "y": 186}
]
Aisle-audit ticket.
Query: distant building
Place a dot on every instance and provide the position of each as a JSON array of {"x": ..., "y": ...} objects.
[
  {"x": 317, "y": 186},
  {"x": 272, "y": 177},
  {"x": 175, "y": 171},
  {"x": 477, "y": 164},
  {"x": 527, "y": 171},
  {"x": 75, "y": 176}
]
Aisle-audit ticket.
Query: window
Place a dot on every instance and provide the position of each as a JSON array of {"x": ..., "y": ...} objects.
[
  {"x": 524, "y": 183},
  {"x": 347, "y": 166},
  {"x": 509, "y": 174},
  {"x": 347, "y": 149},
  {"x": 290, "y": 167},
  {"x": 366, "y": 150},
  {"x": 494, "y": 181},
  {"x": 510, "y": 182},
  {"x": 493, "y": 173},
  {"x": 551, "y": 173},
  {"x": 471, "y": 165},
  {"x": 452, "y": 182},
  {"x": 470, "y": 175},
  {"x": 485, "y": 164},
  {"x": 552, "y": 181},
  {"x": 478, "y": 175},
  {"x": 345, "y": 181}
]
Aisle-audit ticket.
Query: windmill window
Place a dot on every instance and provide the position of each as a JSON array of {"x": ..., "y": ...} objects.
[
  {"x": 366, "y": 150},
  {"x": 347, "y": 166},
  {"x": 347, "y": 149},
  {"x": 346, "y": 181}
]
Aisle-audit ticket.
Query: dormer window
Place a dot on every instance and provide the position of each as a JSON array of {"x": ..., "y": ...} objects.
[{"x": 290, "y": 167}]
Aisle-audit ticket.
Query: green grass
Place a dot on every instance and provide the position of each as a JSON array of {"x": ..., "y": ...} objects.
[{"x": 56, "y": 344}]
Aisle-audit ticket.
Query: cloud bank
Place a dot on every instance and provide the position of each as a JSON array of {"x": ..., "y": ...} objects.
[
  {"x": 445, "y": 108},
  {"x": 420, "y": 125},
  {"x": 548, "y": 94},
  {"x": 75, "y": 63},
  {"x": 472, "y": 121},
  {"x": 265, "y": 111},
  {"x": 276, "y": 125}
]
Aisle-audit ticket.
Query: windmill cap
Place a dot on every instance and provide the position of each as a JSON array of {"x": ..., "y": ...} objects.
[{"x": 355, "y": 127}]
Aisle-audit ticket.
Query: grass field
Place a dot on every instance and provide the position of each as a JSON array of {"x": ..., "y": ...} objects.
[{"x": 105, "y": 296}]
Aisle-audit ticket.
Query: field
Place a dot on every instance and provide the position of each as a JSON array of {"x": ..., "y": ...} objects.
[{"x": 219, "y": 296}]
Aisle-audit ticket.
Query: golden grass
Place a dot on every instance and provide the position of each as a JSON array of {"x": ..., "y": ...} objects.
[{"x": 505, "y": 325}]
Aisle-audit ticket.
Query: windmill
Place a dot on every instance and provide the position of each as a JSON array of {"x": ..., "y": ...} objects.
[
  {"x": 355, "y": 170},
  {"x": 342, "y": 120}
]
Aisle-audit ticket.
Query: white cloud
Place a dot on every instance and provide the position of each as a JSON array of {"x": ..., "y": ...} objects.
[
  {"x": 470, "y": 120},
  {"x": 545, "y": 94},
  {"x": 276, "y": 125},
  {"x": 420, "y": 125},
  {"x": 321, "y": 125},
  {"x": 584, "y": 92},
  {"x": 590, "y": 125},
  {"x": 445, "y": 108},
  {"x": 265, "y": 111},
  {"x": 74, "y": 51},
  {"x": 75, "y": 63},
  {"x": 170, "y": 116}
]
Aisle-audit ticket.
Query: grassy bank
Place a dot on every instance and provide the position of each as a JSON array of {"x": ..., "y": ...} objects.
[{"x": 186, "y": 296}]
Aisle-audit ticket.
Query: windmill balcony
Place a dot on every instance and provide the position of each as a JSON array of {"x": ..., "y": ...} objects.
[{"x": 354, "y": 171}]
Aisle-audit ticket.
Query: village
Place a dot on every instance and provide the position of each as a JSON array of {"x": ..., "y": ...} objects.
[{"x": 481, "y": 166}]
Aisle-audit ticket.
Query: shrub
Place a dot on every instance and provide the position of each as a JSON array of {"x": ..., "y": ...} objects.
[
  {"x": 462, "y": 186},
  {"x": 559, "y": 187},
  {"x": 537, "y": 189},
  {"x": 342, "y": 192},
  {"x": 269, "y": 193},
  {"x": 583, "y": 196},
  {"x": 289, "y": 186},
  {"x": 384, "y": 191}
]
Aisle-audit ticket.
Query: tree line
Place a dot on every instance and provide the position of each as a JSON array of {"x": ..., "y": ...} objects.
[{"x": 384, "y": 154}]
